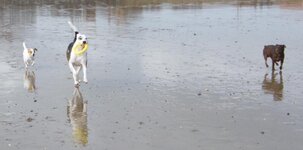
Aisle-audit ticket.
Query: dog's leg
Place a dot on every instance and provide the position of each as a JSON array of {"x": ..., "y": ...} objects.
[
  {"x": 281, "y": 65},
  {"x": 273, "y": 65},
  {"x": 78, "y": 68},
  {"x": 265, "y": 58},
  {"x": 26, "y": 64},
  {"x": 76, "y": 82},
  {"x": 71, "y": 67}
]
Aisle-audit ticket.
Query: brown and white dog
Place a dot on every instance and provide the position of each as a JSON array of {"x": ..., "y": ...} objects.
[
  {"x": 28, "y": 55},
  {"x": 276, "y": 53}
]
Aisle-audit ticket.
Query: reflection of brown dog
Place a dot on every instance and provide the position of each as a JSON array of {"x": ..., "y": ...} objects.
[
  {"x": 276, "y": 53},
  {"x": 77, "y": 114},
  {"x": 29, "y": 81},
  {"x": 274, "y": 87}
]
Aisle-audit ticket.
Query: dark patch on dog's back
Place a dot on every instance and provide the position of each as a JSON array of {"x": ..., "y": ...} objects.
[
  {"x": 70, "y": 46},
  {"x": 69, "y": 50}
]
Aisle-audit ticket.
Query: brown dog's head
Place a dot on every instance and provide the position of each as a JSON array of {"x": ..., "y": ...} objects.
[
  {"x": 279, "y": 52},
  {"x": 281, "y": 47}
]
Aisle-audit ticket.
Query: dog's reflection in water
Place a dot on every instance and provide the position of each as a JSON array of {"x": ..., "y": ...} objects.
[
  {"x": 77, "y": 115},
  {"x": 273, "y": 86},
  {"x": 29, "y": 81}
]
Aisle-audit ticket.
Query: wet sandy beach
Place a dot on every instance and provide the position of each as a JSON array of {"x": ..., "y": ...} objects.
[{"x": 162, "y": 75}]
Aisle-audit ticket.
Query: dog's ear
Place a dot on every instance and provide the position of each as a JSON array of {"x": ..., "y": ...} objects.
[{"x": 35, "y": 49}]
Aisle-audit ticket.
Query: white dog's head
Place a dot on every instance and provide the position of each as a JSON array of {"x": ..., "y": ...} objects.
[
  {"x": 81, "y": 39},
  {"x": 31, "y": 52}
]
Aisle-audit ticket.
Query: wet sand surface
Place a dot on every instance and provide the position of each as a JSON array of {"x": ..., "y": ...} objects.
[{"x": 162, "y": 75}]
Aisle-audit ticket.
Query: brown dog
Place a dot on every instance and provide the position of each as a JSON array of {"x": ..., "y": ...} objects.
[{"x": 276, "y": 53}]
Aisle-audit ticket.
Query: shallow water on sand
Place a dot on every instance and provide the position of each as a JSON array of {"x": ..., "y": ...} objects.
[{"x": 162, "y": 75}]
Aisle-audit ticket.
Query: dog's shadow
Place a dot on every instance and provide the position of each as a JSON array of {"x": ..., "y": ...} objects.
[
  {"x": 273, "y": 86},
  {"x": 30, "y": 81},
  {"x": 77, "y": 116}
]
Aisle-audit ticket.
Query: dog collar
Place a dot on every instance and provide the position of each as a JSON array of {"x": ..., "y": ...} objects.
[{"x": 77, "y": 51}]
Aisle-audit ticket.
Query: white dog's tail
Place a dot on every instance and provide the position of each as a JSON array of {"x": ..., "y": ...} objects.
[
  {"x": 72, "y": 26},
  {"x": 24, "y": 46}
]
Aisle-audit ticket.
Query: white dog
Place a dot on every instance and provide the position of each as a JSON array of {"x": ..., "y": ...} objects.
[
  {"x": 77, "y": 55},
  {"x": 28, "y": 55}
]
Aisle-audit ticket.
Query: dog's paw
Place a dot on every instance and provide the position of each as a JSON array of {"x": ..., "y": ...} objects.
[
  {"x": 76, "y": 82},
  {"x": 77, "y": 85},
  {"x": 85, "y": 81}
]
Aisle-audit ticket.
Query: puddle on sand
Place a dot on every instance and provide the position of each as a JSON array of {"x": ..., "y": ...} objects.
[{"x": 162, "y": 75}]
